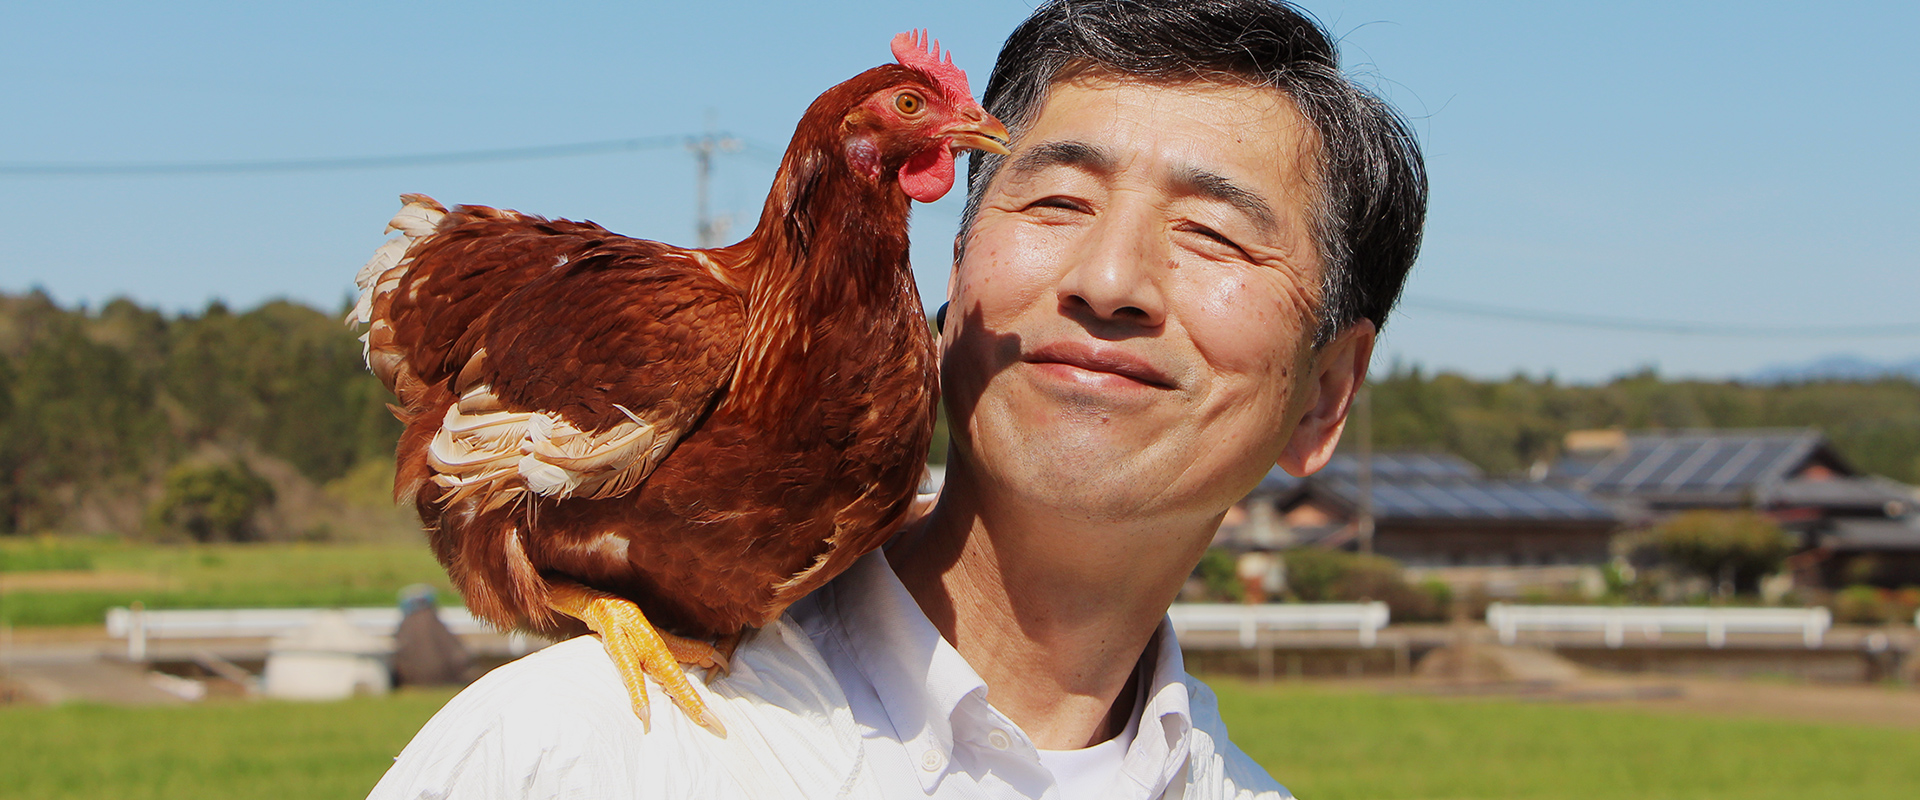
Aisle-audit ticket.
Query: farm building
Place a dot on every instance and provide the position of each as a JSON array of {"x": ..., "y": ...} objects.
[
  {"x": 1436, "y": 514},
  {"x": 1852, "y": 528}
]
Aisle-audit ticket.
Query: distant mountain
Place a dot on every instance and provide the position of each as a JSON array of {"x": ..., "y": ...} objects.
[{"x": 1836, "y": 368}]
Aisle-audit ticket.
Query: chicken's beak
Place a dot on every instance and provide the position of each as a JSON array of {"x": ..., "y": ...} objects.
[{"x": 984, "y": 133}]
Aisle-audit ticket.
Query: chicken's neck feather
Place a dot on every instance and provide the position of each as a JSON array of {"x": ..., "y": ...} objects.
[{"x": 829, "y": 258}]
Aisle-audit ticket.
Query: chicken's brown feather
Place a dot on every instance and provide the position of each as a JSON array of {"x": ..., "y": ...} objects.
[{"x": 783, "y": 389}]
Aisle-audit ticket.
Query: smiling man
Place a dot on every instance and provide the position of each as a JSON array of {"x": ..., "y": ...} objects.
[{"x": 1171, "y": 283}]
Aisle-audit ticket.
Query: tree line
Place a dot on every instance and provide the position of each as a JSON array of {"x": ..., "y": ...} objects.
[
  {"x": 1508, "y": 426},
  {"x": 128, "y": 419},
  {"x": 98, "y": 407}
]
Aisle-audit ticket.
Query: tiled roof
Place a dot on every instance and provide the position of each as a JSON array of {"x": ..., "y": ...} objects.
[
  {"x": 1391, "y": 466},
  {"x": 1873, "y": 534},
  {"x": 1406, "y": 466},
  {"x": 1871, "y": 492},
  {"x": 1701, "y": 465},
  {"x": 1477, "y": 499},
  {"x": 1441, "y": 487}
]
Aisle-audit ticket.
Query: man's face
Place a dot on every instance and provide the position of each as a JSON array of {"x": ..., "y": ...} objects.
[{"x": 1131, "y": 324}]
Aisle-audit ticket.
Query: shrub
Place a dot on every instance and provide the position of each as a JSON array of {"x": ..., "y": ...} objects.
[
  {"x": 213, "y": 502},
  {"x": 1870, "y": 605},
  {"x": 1336, "y": 576},
  {"x": 1723, "y": 546},
  {"x": 1216, "y": 571}
]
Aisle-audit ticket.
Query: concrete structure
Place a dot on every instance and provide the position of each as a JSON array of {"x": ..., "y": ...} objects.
[
  {"x": 328, "y": 660},
  {"x": 1250, "y": 620},
  {"x": 201, "y": 627},
  {"x": 1653, "y": 622}
]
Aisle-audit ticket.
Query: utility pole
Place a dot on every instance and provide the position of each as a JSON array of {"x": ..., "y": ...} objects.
[
  {"x": 711, "y": 230},
  {"x": 1363, "y": 409}
]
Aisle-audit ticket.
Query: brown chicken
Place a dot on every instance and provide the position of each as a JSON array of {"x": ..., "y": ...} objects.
[{"x": 673, "y": 445}]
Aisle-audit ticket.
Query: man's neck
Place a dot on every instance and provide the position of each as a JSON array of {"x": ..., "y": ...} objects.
[{"x": 1053, "y": 615}]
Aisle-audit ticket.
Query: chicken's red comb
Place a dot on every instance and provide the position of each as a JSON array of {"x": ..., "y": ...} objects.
[{"x": 918, "y": 50}]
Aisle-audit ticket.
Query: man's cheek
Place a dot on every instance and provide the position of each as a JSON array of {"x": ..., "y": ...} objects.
[
  {"x": 1008, "y": 282},
  {"x": 1238, "y": 325}
]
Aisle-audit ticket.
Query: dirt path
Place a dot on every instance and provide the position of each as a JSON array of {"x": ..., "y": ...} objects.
[
  {"x": 1543, "y": 676},
  {"x": 78, "y": 580},
  {"x": 1895, "y": 706}
]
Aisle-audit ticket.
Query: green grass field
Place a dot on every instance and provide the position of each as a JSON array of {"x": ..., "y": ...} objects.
[
  {"x": 232, "y": 749},
  {"x": 1333, "y": 745},
  {"x": 201, "y": 576},
  {"x": 1325, "y": 744}
]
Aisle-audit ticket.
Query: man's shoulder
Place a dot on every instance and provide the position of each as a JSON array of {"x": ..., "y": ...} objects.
[
  {"x": 559, "y": 723},
  {"x": 1219, "y": 767},
  {"x": 531, "y": 728}
]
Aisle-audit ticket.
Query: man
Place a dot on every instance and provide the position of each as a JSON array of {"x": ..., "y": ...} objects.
[
  {"x": 425, "y": 652},
  {"x": 1172, "y": 283}
]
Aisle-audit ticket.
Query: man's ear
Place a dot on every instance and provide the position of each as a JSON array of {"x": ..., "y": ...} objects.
[{"x": 1338, "y": 371}]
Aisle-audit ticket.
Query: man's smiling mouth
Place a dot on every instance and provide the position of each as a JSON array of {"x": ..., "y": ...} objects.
[{"x": 1101, "y": 359}]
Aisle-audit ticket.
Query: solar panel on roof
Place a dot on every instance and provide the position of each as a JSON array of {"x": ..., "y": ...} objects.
[
  {"x": 1764, "y": 464},
  {"x": 1442, "y": 500},
  {"x": 1670, "y": 466},
  {"x": 1525, "y": 502},
  {"x": 1432, "y": 466},
  {"x": 1572, "y": 505},
  {"x": 1484, "y": 501},
  {"x": 1394, "y": 501},
  {"x": 1713, "y": 467},
  {"x": 1402, "y": 498},
  {"x": 1688, "y": 471},
  {"x": 1695, "y": 463},
  {"x": 1739, "y": 464}
]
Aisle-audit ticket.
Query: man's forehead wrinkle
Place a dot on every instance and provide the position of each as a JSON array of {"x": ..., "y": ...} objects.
[
  {"x": 1064, "y": 153},
  {"x": 1214, "y": 186}
]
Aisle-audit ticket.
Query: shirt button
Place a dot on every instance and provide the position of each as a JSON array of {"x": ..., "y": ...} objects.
[
  {"x": 999, "y": 740},
  {"x": 930, "y": 761}
]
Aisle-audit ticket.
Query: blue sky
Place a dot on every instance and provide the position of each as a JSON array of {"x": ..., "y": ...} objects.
[{"x": 1718, "y": 164}]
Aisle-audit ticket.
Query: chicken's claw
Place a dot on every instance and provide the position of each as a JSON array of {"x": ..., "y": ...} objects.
[
  {"x": 696, "y": 652},
  {"x": 638, "y": 650}
]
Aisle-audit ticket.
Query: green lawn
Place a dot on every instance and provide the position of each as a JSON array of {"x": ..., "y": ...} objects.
[
  {"x": 231, "y": 749},
  {"x": 1324, "y": 744},
  {"x": 1333, "y": 745},
  {"x": 207, "y": 576}
]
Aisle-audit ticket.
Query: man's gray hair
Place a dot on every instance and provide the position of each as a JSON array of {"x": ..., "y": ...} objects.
[{"x": 1370, "y": 180}]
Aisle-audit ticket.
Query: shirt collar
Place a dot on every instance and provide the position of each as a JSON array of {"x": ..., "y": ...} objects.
[
  {"x": 1160, "y": 748},
  {"x": 921, "y": 680},
  {"x": 924, "y": 684}
]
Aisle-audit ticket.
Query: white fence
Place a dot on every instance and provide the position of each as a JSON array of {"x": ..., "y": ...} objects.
[
  {"x": 139, "y": 625},
  {"x": 1615, "y": 621},
  {"x": 1364, "y": 618}
]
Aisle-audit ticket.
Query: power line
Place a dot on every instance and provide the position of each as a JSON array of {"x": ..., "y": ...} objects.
[
  {"x": 68, "y": 170},
  {"x": 1659, "y": 326}
]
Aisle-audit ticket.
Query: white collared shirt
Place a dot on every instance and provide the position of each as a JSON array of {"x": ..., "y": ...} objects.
[
  {"x": 803, "y": 720},
  {"x": 924, "y": 714}
]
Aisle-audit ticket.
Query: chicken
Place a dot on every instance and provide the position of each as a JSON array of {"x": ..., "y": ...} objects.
[{"x": 673, "y": 445}]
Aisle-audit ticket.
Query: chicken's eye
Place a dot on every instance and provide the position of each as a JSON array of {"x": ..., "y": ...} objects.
[{"x": 909, "y": 103}]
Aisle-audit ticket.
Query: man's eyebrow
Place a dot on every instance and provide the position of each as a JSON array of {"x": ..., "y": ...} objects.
[
  {"x": 1214, "y": 186},
  {"x": 1062, "y": 154}
]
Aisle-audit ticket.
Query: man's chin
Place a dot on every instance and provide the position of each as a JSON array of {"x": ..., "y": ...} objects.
[{"x": 1096, "y": 480}]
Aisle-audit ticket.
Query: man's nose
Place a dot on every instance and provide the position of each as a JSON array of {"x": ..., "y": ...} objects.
[{"x": 1116, "y": 272}]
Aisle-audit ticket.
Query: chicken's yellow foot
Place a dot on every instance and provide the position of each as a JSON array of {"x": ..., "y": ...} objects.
[
  {"x": 696, "y": 652},
  {"x": 638, "y": 650}
]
